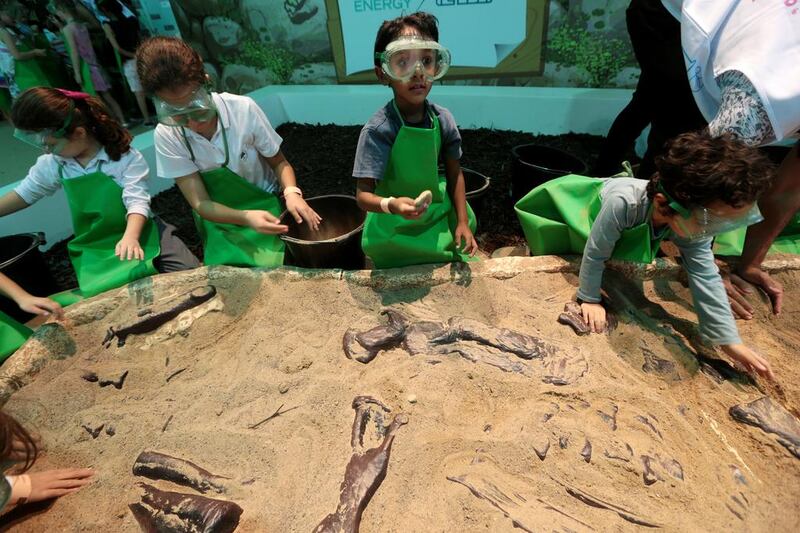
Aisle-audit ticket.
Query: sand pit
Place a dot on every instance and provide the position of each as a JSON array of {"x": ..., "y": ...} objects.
[{"x": 634, "y": 430}]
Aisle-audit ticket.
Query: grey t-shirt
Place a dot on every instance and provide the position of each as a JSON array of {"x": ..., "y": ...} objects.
[
  {"x": 624, "y": 205},
  {"x": 378, "y": 135}
]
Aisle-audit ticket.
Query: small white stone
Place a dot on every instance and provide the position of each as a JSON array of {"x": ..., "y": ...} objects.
[{"x": 412, "y": 398}]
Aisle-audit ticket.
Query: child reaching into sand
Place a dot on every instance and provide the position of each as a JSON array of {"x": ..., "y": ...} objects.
[
  {"x": 12, "y": 333},
  {"x": 16, "y": 444},
  {"x": 88, "y": 153},
  {"x": 224, "y": 156},
  {"x": 415, "y": 216},
  {"x": 703, "y": 187}
]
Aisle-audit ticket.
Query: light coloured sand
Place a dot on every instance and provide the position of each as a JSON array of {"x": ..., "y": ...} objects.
[{"x": 276, "y": 340}]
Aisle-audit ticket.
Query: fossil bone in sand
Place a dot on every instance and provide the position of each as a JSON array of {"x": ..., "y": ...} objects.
[
  {"x": 158, "y": 317},
  {"x": 365, "y": 471},
  {"x": 771, "y": 417},
  {"x": 156, "y": 465},
  {"x": 173, "y": 512}
]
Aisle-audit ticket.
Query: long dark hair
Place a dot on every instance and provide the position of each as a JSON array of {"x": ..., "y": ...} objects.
[
  {"x": 10, "y": 431},
  {"x": 43, "y": 108}
]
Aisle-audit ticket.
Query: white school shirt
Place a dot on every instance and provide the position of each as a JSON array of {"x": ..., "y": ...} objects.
[
  {"x": 249, "y": 134},
  {"x": 130, "y": 173}
]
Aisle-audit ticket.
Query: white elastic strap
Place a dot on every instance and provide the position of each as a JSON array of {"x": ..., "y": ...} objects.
[
  {"x": 20, "y": 489},
  {"x": 385, "y": 204},
  {"x": 292, "y": 190}
]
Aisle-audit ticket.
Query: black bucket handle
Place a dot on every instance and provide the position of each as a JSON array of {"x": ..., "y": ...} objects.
[{"x": 38, "y": 240}]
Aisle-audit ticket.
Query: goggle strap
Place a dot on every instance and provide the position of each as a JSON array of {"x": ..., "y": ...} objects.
[{"x": 674, "y": 204}]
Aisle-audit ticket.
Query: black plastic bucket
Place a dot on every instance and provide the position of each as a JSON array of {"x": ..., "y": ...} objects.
[
  {"x": 21, "y": 260},
  {"x": 533, "y": 164},
  {"x": 337, "y": 243},
  {"x": 476, "y": 185}
]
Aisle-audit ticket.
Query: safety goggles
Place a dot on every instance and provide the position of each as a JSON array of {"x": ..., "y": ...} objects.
[
  {"x": 200, "y": 108},
  {"x": 701, "y": 222},
  {"x": 44, "y": 139},
  {"x": 406, "y": 56}
]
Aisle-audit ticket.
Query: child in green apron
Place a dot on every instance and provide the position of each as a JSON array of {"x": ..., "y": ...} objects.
[
  {"x": 20, "y": 487},
  {"x": 703, "y": 186},
  {"x": 414, "y": 216},
  {"x": 88, "y": 154},
  {"x": 224, "y": 156},
  {"x": 12, "y": 333}
]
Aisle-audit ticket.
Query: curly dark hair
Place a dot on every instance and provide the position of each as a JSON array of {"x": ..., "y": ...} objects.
[
  {"x": 390, "y": 30},
  {"x": 42, "y": 108},
  {"x": 697, "y": 169},
  {"x": 168, "y": 63}
]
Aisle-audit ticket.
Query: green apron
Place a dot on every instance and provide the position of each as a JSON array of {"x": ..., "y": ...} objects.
[
  {"x": 557, "y": 217},
  {"x": 788, "y": 242},
  {"x": 393, "y": 241},
  {"x": 229, "y": 244},
  {"x": 86, "y": 73},
  {"x": 99, "y": 219},
  {"x": 31, "y": 72},
  {"x": 12, "y": 336}
]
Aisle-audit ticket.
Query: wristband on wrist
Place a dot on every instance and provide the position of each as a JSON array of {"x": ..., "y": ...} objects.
[
  {"x": 292, "y": 190},
  {"x": 20, "y": 489},
  {"x": 385, "y": 204}
]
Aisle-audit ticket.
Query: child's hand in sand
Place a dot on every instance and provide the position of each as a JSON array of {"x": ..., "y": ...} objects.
[
  {"x": 750, "y": 360},
  {"x": 595, "y": 316},
  {"x": 406, "y": 207},
  {"x": 55, "y": 483},
  {"x": 40, "y": 306}
]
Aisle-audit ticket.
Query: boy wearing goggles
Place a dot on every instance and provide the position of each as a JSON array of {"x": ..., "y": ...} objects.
[
  {"x": 224, "y": 156},
  {"x": 415, "y": 216},
  {"x": 703, "y": 187}
]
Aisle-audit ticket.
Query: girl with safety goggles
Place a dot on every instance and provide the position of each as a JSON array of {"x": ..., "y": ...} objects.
[
  {"x": 704, "y": 187},
  {"x": 88, "y": 154},
  {"x": 224, "y": 156}
]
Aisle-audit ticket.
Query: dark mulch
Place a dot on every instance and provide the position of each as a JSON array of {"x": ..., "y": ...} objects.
[{"x": 323, "y": 160}]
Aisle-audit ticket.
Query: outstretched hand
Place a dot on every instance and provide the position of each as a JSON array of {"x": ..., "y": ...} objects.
[
  {"x": 406, "y": 207},
  {"x": 265, "y": 222},
  {"x": 55, "y": 483},
  {"x": 301, "y": 211},
  {"x": 40, "y": 306},
  {"x": 749, "y": 360}
]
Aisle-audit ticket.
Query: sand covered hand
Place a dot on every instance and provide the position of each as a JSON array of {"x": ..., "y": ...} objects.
[
  {"x": 406, "y": 207},
  {"x": 752, "y": 362},
  {"x": 595, "y": 316}
]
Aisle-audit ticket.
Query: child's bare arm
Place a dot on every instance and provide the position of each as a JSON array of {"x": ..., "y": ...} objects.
[
  {"x": 11, "y": 202},
  {"x": 194, "y": 190},
  {"x": 26, "y": 301}
]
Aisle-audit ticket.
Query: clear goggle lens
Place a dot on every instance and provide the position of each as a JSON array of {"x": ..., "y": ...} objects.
[
  {"x": 404, "y": 58},
  {"x": 703, "y": 223},
  {"x": 47, "y": 140},
  {"x": 200, "y": 108}
]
